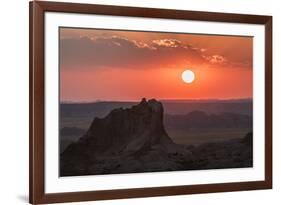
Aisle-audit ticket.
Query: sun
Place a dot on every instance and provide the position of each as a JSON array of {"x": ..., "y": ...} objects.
[{"x": 188, "y": 76}]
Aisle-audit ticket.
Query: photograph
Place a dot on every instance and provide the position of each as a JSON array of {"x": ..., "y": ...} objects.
[
  {"x": 132, "y": 102},
  {"x": 148, "y": 101}
]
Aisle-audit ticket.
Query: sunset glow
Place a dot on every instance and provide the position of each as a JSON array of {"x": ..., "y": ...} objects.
[{"x": 124, "y": 65}]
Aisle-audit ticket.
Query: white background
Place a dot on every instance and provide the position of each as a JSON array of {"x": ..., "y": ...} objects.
[{"x": 14, "y": 101}]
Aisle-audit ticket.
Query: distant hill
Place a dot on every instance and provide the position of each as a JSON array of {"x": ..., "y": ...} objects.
[
  {"x": 173, "y": 107},
  {"x": 68, "y": 131},
  {"x": 239, "y": 100},
  {"x": 202, "y": 120}
]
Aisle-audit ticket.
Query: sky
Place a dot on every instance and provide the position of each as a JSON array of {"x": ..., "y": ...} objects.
[{"x": 105, "y": 65}]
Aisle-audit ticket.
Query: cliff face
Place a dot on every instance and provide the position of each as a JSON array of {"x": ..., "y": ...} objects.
[
  {"x": 134, "y": 135},
  {"x": 134, "y": 140},
  {"x": 129, "y": 130}
]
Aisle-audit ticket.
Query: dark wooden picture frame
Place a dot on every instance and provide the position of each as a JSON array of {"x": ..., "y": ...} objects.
[{"x": 37, "y": 193}]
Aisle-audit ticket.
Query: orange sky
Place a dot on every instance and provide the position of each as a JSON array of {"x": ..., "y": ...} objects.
[{"x": 126, "y": 65}]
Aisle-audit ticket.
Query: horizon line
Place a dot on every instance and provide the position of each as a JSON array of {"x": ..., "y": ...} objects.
[{"x": 164, "y": 99}]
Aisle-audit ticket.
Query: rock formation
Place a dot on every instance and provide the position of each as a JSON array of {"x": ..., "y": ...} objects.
[
  {"x": 126, "y": 140},
  {"x": 134, "y": 140}
]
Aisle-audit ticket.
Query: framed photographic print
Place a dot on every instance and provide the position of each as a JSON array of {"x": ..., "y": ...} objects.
[{"x": 140, "y": 102}]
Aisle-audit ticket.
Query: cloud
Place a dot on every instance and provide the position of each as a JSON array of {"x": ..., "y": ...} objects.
[
  {"x": 172, "y": 43},
  {"x": 116, "y": 51},
  {"x": 216, "y": 59}
]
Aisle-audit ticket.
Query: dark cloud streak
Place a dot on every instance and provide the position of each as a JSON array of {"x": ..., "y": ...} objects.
[{"x": 125, "y": 53}]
